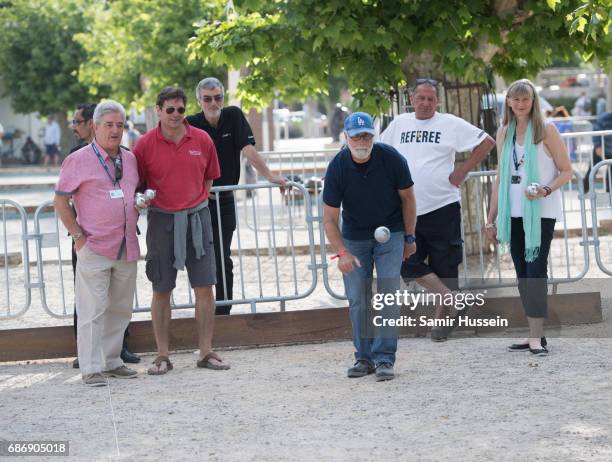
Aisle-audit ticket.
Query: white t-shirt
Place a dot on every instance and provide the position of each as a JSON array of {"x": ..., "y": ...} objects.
[
  {"x": 430, "y": 146},
  {"x": 52, "y": 133}
]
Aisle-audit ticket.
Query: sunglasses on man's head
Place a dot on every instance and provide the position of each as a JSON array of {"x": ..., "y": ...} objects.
[
  {"x": 208, "y": 99},
  {"x": 171, "y": 109},
  {"x": 431, "y": 82},
  {"x": 118, "y": 168}
]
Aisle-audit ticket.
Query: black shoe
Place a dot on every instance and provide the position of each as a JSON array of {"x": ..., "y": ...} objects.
[
  {"x": 440, "y": 333},
  {"x": 384, "y": 371},
  {"x": 128, "y": 357},
  {"x": 539, "y": 351},
  {"x": 524, "y": 346},
  {"x": 360, "y": 369},
  {"x": 75, "y": 363}
]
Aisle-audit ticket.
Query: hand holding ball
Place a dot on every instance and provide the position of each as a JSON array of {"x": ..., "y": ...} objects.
[{"x": 532, "y": 189}]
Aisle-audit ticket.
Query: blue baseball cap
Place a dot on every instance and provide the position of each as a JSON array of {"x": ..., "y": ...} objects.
[{"x": 359, "y": 122}]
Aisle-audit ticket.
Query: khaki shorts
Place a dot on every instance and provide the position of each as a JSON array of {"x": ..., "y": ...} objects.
[{"x": 160, "y": 253}]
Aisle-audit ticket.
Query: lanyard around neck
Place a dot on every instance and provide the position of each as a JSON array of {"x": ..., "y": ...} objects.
[
  {"x": 517, "y": 163},
  {"x": 106, "y": 169}
]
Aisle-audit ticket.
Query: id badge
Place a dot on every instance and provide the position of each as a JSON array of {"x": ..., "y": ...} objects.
[
  {"x": 116, "y": 193},
  {"x": 516, "y": 179}
]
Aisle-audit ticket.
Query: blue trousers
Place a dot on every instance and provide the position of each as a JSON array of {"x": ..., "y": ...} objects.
[{"x": 375, "y": 345}]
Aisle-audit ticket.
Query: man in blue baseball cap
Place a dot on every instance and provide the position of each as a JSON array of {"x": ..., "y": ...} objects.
[{"x": 372, "y": 183}]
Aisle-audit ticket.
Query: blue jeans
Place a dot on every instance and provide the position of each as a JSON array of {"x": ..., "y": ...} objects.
[{"x": 373, "y": 345}]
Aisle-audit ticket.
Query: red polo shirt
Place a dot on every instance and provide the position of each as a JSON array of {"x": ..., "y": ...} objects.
[{"x": 177, "y": 172}]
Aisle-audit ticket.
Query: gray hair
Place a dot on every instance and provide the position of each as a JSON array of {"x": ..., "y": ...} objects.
[
  {"x": 209, "y": 83},
  {"x": 106, "y": 107}
]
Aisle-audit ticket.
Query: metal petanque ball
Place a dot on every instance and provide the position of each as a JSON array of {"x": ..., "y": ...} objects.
[
  {"x": 382, "y": 234},
  {"x": 140, "y": 199},
  {"x": 149, "y": 194},
  {"x": 532, "y": 189}
]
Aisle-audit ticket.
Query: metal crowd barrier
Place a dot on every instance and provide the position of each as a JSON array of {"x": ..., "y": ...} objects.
[
  {"x": 304, "y": 167},
  {"x": 270, "y": 205},
  {"x": 262, "y": 273},
  {"x": 580, "y": 147},
  {"x": 494, "y": 277},
  {"x": 16, "y": 252},
  {"x": 593, "y": 196},
  {"x": 267, "y": 270}
]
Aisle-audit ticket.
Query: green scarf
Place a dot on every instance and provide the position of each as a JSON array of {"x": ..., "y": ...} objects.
[{"x": 531, "y": 209}]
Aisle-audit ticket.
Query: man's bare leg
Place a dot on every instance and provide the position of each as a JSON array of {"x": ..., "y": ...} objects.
[
  {"x": 205, "y": 321},
  {"x": 160, "y": 315},
  {"x": 435, "y": 285}
]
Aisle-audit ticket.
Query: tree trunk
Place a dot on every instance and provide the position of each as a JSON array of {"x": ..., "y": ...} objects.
[{"x": 67, "y": 140}]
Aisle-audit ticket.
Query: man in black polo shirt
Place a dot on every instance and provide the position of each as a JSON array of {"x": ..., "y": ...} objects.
[
  {"x": 83, "y": 128},
  {"x": 372, "y": 183},
  {"x": 231, "y": 134}
]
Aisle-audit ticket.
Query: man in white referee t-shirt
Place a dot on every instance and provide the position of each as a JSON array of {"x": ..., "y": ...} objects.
[{"x": 429, "y": 140}]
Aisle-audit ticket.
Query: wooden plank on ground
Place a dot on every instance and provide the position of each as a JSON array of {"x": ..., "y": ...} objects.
[{"x": 250, "y": 330}]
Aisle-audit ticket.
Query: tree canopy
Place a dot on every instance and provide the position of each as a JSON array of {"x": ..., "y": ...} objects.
[
  {"x": 39, "y": 59},
  {"x": 293, "y": 47},
  {"x": 137, "y": 47}
]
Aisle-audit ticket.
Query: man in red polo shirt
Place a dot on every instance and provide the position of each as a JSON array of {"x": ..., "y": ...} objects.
[{"x": 180, "y": 163}]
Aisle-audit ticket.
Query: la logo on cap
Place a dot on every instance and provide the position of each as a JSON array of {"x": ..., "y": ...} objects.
[{"x": 360, "y": 121}]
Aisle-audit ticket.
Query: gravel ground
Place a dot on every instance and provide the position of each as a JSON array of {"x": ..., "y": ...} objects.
[{"x": 466, "y": 399}]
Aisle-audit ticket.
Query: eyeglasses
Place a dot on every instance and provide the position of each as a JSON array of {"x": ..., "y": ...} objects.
[
  {"x": 362, "y": 137},
  {"x": 208, "y": 99},
  {"x": 118, "y": 168},
  {"x": 432, "y": 82},
  {"x": 171, "y": 109},
  {"x": 78, "y": 122}
]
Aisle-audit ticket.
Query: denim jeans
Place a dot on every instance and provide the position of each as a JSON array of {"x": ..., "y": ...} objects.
[{"x": 373, "y": 345}]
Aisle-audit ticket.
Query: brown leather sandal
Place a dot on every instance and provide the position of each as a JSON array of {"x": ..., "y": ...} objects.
[
  {"x": 206, "y": 362},
  {"x": 157, "y": 362}
]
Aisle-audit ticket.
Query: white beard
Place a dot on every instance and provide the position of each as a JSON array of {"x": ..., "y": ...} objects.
[{"x": 361, "y": 153}]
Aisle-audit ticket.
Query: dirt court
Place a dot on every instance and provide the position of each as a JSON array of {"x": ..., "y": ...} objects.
[{"x": 466, "y": 399}]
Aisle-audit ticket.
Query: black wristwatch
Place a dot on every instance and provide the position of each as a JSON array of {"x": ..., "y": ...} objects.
[{"x": 409, "y": 238}]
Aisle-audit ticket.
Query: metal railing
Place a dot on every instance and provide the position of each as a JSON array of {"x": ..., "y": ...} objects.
[
  {"x": 12, "y": 258},
  {"x": 270, "y": 271}
]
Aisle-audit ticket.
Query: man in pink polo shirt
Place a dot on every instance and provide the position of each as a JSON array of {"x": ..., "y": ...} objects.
[
  {"x": 102, "y": 179},
  {"x": 180, "y": 163}
]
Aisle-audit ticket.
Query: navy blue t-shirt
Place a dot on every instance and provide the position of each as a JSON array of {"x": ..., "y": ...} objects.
[{"x": 369, "y": 199}]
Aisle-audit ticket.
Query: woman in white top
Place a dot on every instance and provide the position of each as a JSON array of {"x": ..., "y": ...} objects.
[{"x": 529, "y": 152}]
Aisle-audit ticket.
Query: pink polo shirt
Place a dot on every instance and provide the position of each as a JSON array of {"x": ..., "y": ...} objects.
[{"x": 109, "y": 223}]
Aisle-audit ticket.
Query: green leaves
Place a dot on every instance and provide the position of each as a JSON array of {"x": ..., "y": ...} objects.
[
  {"x": 130, "y": 49},
  {"x": 375, "y": 46},
  {"x": 137, "y": 47},
  {"x": 39, "y": 58}
]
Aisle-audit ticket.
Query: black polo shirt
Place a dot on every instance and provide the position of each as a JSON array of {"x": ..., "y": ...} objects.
[
  {"x": 369, "y": 198},
  {"x": 233, "y": 133}
]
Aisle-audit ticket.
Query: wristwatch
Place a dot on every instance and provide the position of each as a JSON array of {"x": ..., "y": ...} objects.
[
  {"x": 409, "y": 238},
  {"x": 77, "y": 236}
]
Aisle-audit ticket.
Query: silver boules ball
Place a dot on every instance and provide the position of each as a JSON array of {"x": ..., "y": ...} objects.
[
  {"x": 532, "y": 189},
  {"x": 150, "y": 194},
  {"x": 382, "y": 234},
  {"x": 141, "y": 200}
]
